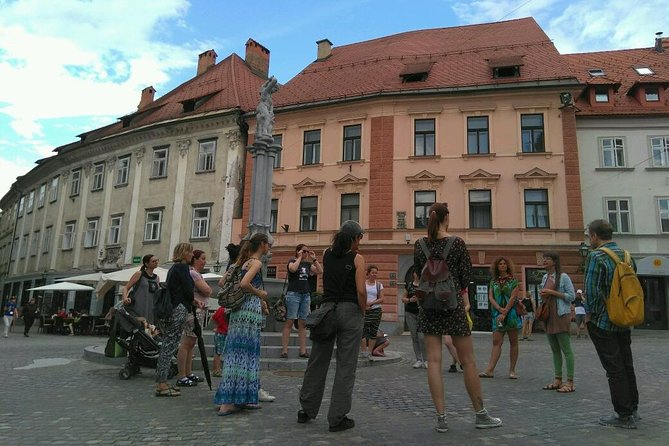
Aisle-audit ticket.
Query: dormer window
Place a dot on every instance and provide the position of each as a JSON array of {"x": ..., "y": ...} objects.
[
  {"x": 644, "y": 71},
  {"x": 504, "y": 67},
  {"x": 601, "y": 94},
  {"x": 416, "y": 72},
  {"x": 193, "y": 104},
  {"x": 125, "y": 121},
  {"x": 596, "y": 72},
  {"x": 652, "y": 94}
]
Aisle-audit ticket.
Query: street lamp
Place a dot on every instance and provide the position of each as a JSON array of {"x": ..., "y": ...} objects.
[
  {"x": 217, "y": 266},
  {"x": 583, "y": 251}
]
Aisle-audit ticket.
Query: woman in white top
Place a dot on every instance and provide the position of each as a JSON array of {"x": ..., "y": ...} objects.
[{"x": 373, "y": 311}]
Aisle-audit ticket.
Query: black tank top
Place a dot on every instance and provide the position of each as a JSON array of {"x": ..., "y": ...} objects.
[{"x": 339, "y": 277}]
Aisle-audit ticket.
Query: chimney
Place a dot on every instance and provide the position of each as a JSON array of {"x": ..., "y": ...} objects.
[
  {"x": 324, "y": 49},
  {"x": 206, "y": 60},
  {"x": 658, "y": 42},
  {"x": 146, "y": 98},
  {"x": 257, "y": 58}
]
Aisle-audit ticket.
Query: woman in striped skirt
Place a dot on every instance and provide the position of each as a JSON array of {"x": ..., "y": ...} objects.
[{"x": 374, "y": 311}]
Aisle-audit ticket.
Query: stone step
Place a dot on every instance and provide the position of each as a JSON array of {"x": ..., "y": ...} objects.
[
  {"x": 266, "y": 338},
  {"x": 266, "y": 351}
]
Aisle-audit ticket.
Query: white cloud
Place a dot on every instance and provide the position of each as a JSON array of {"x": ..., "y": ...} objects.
[
  {"x": 69, "y": 59},
  {"x": 577, "y": 25}
]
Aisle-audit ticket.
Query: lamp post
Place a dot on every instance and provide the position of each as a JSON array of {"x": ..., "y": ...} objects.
[{"x": 583, "y": 251}]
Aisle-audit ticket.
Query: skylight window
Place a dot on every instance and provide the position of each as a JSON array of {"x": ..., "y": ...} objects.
[
  {"x": 644, "y": 71},
  {"x": 595, "y": 72}
]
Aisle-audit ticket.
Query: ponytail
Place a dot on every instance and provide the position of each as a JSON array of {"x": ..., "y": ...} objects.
[{"x": 437, "y": 214}]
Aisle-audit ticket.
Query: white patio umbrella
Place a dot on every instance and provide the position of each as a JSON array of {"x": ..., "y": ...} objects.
[
  {"x": 211, "y": 276},
  {"x": 92, "y": 277},
  {"x": 63, "y": 286},
  {"x": 122, "y": 276}
]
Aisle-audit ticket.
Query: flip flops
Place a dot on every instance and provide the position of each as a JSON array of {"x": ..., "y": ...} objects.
[
  {"x": 512, "y": 375},
  {"x": 170, "y": 391},
  {"x": 283, "y": 355},
  {"x": 304, "y": 355},
  {"x": 567, "y": 388},
  {"x": 228, "y": 412},
  {"x": 485, "y": 375},
  {"x": 248, "y": 406},
  {"x": 553, "y": 386}
]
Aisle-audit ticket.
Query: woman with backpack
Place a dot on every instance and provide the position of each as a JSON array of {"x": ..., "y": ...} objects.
[
  {"x": 434, "y": 323},
  {"x": 557, "y": 292},
  {"x": 240, "y": 383}
]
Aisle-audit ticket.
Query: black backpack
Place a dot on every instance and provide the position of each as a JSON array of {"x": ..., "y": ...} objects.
[{"x": 162, "y": 303}]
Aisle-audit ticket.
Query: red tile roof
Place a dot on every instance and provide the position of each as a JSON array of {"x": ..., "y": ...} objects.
[
  {"x": 459, "y": 58},
  {"x": 619, "y": 71},
  {"x": 230, "y": 84}
]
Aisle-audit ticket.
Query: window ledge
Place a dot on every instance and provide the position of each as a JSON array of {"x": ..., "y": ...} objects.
[
  {"x": 112, "y": 245},
  {"x": 614, "y": 169},
  {"x": 309, "y": 166},
  {"x": 197, "y": 172},
  {"x": 277, "y": 169},
  {"x": 424, "y": 157},
  {"x": 158, "y": 178},
  {"x": 90, "y": 247},
  {"x": 660, "y": 168},
  {"x": 118, "y": 186},
  {"x": 479, "y": 155},
  {"x": 74, "y": 196},
  {"x": 198, "y": 239},
  {"x": 520, "y": 155},
  {"x": 66, "y": 249},
  {"x": 538, "y": 229},
  {"x": 150, "y": 242},
  {"x": 360, "y": 161},
  {"x": 97, "y": 190}
]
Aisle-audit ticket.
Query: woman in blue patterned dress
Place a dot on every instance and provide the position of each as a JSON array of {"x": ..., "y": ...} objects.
[
  {"x": 241, "y": 365},
  {"x": 502, "y": 295}
]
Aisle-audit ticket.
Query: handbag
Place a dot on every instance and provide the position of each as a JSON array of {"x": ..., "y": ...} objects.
[
  {"x": 279, "y": 310},
  {"x": 322, "y": 323},
  {"x": 542, "y": 312}
]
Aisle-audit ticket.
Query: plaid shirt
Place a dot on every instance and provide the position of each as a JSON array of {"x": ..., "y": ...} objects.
[{"x": 598, "y": 278}]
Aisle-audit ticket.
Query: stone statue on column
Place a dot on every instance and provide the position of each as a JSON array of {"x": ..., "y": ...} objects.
[{"x": 265, "y": 110}]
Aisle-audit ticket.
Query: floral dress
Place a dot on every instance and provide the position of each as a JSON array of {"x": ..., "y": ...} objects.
[
  {"x": 241, "y": 355},
  {"x": 501, "y": 291}
]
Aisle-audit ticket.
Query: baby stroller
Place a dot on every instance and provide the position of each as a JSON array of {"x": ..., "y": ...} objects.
[{"x": 143, "y": 350}]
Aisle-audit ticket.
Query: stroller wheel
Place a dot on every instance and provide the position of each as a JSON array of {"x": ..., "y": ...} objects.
[{"x": 124, "y": 374}]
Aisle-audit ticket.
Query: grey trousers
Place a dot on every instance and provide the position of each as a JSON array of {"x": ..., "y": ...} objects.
[
  {"x": 417, "y": 339},
  {"x": 349, "y": 332}
]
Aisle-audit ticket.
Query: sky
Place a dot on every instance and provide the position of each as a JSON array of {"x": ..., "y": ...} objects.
[{"x": 70, "y": 66}]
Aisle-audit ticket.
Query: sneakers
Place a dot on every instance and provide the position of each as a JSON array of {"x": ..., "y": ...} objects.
[
  {"x": 345, "y": 423},
  {"x": 424, "y": 364},
  {"x": 441, "y": 426},
  {"x": 194, "y": 377},
  {"x": 417, "y": 364},
  {"x": 617, "y": 421},
  {"x": 302, "y": 417},
  {"x": 485, "y": 421},
  {"x": 265, "y": 397},
  {"x": 453, "y": 369},
  {"x": 186, "y": 382}
]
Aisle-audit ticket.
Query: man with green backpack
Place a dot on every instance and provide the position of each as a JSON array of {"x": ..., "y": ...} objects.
[{"x": 614, "y": 303}]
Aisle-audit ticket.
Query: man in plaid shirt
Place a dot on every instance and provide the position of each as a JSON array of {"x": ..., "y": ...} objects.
[{"x": 613, "y": 343}]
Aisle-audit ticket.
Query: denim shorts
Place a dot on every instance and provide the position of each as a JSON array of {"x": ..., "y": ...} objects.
[
  {"x": 219, "y": 343},
  {"x": 298, "y": 305}
]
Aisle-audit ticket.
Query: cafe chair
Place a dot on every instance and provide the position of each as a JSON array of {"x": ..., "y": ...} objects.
[{"x": 45, "y": 325}]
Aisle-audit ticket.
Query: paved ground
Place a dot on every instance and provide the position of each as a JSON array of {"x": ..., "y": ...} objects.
[{"x": 51, "y": 396}]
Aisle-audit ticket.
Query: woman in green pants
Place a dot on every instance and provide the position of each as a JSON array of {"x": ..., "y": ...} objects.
[{"x": 557, "y": 292}]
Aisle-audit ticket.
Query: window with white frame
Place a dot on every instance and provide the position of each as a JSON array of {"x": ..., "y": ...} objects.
[
  {"x": 53, "y": 189},
  {"x": 532, "y": 133},
  {"x": 477, "y": 135},
  {"x": 68, "y": 235},
  {"x": 601, "y": 94},
  {"x": 308, "y": 213},
  {"x": 122, "y": 170},
  {"x": 34, "y": 244},
  {"x": 46, "y": 241},
  {"x": 618, "y": 214},
  {"x": 75, "y": 182},
  {"x": 31, "y": 201},
  {"x": 24, "y": 246},
  {"x": 115, "y": 225},
  {"x": 152, "y": 227},
  {"x": 159, "y": 167},
  {"x": 311, "y": 153},
  {"x": 206, "y": 156},
  {"x": 22, "y": 205},
  {"x": 424, "y": 137},
  {"x": 663, "y": 211},
  {"x": 612, "y": 152},
  {"x": 350, "y": 207},
  {"x": 274, "y": 215},
  {"x": 201, "y": 216},
  {"x": 536, "y": 209},
  {"x": 659, "y": 147},
  {"x": 98, "y": 176},
  {"x": 41, "y": 195},
  {"x": 91, "y": 234},
  {"x": 480, "y": 209},
  {"x": 652, "y": 94},
  {"x": 278, "y": 141},
  {"x": 423, "y": 200},
  {"x": 352, "y": 142}
]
